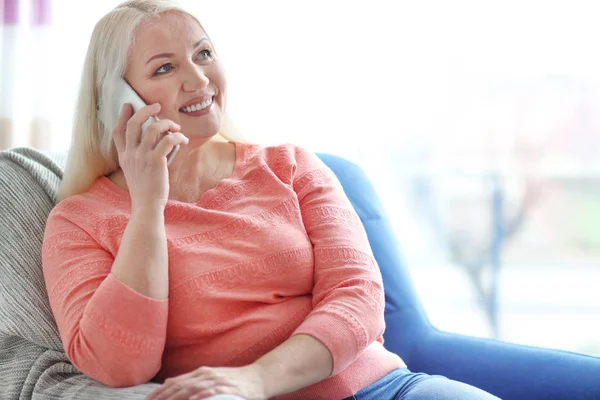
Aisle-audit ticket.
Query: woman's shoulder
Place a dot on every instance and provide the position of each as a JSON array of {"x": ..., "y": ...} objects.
[
  {"x": 99, "y": 202},
  {"x": 278, "y": 156},
  {"x": 287, "y": 161}
]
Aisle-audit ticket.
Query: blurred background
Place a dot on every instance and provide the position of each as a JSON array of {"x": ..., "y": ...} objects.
[{"x": 478, "y": 122}]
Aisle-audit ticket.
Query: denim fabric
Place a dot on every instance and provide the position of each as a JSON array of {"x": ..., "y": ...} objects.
[{"x": 402, "y": 384}]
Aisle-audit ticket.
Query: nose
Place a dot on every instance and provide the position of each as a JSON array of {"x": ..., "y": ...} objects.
[{"x": 194, "y": 79}]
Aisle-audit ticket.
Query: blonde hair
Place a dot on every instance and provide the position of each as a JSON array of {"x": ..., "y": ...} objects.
[{"x": 92, "y": 153}]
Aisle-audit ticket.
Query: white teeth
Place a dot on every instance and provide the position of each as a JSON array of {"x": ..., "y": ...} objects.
[{"x": 196, "y": 107}]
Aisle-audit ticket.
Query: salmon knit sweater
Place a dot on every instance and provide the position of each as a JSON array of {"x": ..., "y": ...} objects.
[{"x": 273, "y": 251}]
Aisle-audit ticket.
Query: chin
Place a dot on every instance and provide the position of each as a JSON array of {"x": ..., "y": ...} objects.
[
  {"x": 200, "y": 135},
  {"x": 205, "y": 126},
  {"x": 200, "y": 132}
]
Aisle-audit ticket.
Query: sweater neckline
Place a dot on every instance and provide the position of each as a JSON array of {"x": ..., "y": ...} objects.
[{"x": 206, "y": 197}]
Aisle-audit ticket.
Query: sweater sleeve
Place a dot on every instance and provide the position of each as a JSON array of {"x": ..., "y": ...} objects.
[
  {"x": 348, "y": 297},
  {"x": 110, "y": 332}
]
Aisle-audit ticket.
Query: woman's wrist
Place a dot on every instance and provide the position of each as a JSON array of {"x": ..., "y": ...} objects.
[
  {"x": 298, "y": 362},
  {"x": 268, "y": 380},
  {"x": 148, "y": 209},
  {"x": 260, "y": 374}
]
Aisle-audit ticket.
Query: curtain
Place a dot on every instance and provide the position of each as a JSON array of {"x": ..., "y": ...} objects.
[{"x": 25, "y": 40}]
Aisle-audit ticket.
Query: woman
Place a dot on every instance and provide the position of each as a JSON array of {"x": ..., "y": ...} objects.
[{"x": 235, "y": 269}]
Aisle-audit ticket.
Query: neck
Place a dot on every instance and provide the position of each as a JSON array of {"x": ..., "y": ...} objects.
[
  {"x": 194, "y": 159},
  {"x": 200, "y": 157}
]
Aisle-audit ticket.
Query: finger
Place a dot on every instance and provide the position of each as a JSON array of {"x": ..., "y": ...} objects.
[
  {"x": 172, "y": 385},
  {"x": 168, "y": 143},
  {"x": 119, "y": 129},
  {"x": 159, "y": 393},
  {"x": 169, "y": 382},
  {"x": 155, "y": 131},
  {"x": 134, "y": 125},
  {"x": 183, "y": 394}
]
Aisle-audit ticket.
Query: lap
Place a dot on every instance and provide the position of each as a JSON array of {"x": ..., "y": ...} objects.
[{"x": 402, "y": 384}]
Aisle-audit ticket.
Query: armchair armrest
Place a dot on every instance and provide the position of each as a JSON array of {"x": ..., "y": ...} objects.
[
  {"x": 29, "y": 371},
  {"x": 510, "y": 371}
]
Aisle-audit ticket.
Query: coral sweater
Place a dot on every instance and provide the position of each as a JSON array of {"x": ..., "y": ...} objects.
[{"x": 273, "y": 251}]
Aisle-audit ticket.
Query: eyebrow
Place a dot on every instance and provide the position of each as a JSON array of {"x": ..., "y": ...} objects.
[{"x": 167, "y": 55}]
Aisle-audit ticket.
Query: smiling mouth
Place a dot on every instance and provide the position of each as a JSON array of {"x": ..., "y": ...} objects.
[{"x": 197, "y": 107}]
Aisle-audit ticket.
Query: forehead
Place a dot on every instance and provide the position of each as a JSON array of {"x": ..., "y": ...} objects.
[{"x": 164, "y": 32}]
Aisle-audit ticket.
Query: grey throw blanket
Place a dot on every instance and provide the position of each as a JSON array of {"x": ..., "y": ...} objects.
[{"x": 33, "y": 364}]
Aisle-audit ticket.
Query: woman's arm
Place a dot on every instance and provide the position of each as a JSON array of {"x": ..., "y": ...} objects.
[
  {"x": 142, "y": 260},
  {"x": 348, "y": 297},
  {"x": 111, "y": 312},
  {"x": 298, "y": 362}
]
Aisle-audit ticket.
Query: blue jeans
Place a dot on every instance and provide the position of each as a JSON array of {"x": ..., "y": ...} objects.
[{"x": 401, "y": 384}]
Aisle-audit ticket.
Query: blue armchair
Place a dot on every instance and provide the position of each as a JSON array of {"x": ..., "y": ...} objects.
[{"x": 509, "y": 371}]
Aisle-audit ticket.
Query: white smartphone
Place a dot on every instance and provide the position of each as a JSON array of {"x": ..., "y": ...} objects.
[{"x": 110, "y": 107}]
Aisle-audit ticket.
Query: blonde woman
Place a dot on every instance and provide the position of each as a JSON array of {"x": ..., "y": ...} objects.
[{"x": 236, "y": 269}]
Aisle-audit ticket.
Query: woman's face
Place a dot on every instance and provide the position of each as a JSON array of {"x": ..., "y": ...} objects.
[{"x": 172, "y": 62}]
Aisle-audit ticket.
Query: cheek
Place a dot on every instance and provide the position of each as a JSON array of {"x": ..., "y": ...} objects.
[
  {"x": 219, "y": 80},
  {"x": 165, "y": 95}
]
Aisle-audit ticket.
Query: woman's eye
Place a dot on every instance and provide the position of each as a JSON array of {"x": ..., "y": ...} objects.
[
  {"x": 204, "y": 54},
  {"x": 163, "y": 69}
]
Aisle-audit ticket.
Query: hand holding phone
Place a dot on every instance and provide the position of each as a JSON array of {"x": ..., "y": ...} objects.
[
  {"x": 110, "y": 108},
  {"x": 142, "y": 158}
]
